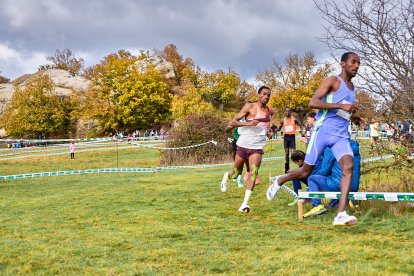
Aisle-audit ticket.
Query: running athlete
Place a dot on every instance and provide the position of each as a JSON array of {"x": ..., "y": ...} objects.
[
  {"x": 289, "y": 135},
  {"x": 335, "y": 100},
  {"x": 253, "y": 132}
]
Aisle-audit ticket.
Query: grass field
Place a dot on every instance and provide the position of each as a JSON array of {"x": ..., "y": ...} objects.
[{"x": 178, "y": 222}]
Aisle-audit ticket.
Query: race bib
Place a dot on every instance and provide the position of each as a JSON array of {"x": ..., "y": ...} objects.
[
  {"x": 343, "y": 114},
  {"x": 289, "y": 128}
]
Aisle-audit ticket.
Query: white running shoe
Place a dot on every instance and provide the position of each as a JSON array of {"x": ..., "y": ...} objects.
[
  {"x": 224, "y": 182},
  {"x": 273, "y": 189},
  {"x": 239, "y": 181},
  {"x": 344, "y": 219},
  {"x": 244, "y": 208}
]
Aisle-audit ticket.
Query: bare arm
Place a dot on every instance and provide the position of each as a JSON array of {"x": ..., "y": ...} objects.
[
  {"x": 280, "y": 126},
  {"x": 300, "y": 126},
  {"x": 242, "y": 114},
  {"x": 328, "y": 85}
]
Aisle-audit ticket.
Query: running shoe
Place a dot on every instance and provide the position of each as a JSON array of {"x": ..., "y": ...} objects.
[
  {"x": 320, "y": 209},
  {"x": 239, "y": 181},
  {"x": 244, "y": 208},
  {"x": 224, "y": 182},
  {"x": 344, "y": 219},
  {"x": 273, "y": 189}
]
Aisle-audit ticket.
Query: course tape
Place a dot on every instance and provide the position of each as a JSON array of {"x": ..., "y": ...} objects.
[
  {"x": 57, "y": 173},
  {"x": 106, "y": 170},
  {"x": 20, "y": 155},
  {"x": 177, "y": 148},
  {"x": 361, "y": 196}
]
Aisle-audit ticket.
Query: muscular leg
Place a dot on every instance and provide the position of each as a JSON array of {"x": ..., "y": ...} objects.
[
  {"x": 347, "y": 166},
  {"x": 237, "y": 167},
  {"x": 254, "y": 164}
]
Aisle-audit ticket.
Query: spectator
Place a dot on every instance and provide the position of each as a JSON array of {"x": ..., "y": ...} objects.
[
  {"x": 72, "y": 150},
  {"x": 274, "y": 129},
  {"x": 373, "y": 133}
]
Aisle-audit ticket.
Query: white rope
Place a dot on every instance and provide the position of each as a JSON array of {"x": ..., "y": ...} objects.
[{"x": 177, "y": 148}]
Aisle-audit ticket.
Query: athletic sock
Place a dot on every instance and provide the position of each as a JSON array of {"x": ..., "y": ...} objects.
[{"x": 246, "y": 196}]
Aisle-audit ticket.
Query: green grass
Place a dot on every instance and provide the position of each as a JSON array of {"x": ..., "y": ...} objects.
[{"x": 178, "y": 222}]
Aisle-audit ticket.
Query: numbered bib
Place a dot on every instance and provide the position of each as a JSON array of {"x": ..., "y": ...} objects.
[
  {"x": 343, "y": 114},
  {"x": 289, "y": 128}
]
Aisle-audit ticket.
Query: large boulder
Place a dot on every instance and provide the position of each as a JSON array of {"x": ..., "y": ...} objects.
[
  {"x": 160, "y": 64},
  {"x": 63, "y": 81},
  {"x": 6, "y": 91}
]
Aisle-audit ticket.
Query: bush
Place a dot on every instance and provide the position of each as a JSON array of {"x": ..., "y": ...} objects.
[{"x": 197, "y": 129}]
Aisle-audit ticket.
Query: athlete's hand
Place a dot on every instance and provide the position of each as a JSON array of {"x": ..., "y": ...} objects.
[{"x": 254, "y": 122}]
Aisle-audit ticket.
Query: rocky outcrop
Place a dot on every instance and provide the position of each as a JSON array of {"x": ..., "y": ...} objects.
[
  {"x": 161, "y": 65},
  {"x": 63, "y": 81},
  {"x": 6, "y": 92}
]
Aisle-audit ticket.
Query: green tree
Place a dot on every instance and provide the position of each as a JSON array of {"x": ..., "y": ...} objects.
[
  {"x": 36, "y": 111},
  {"x": 294, "y": 83},
  {"x": 219, "y": 87},
  {"x": 123, "y": 99},
  {"x": 65, "y": 60}
]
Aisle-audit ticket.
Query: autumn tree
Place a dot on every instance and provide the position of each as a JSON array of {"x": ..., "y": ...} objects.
[
  {"x": 36, "y": 111},
  {"x": 381, "y": 32},
  {"x": 190, "y": 103},
  {"x": 196, "y": 129},
  {"x": 65, "y": 60},
  {"x": 184, "y": 67},
  {"x": 219, "y": 87},
  {"x": 294, "y": 82},
  {"x": 367, "y": 105},
  {"x": 246, "y": 93},
  {"x": 124, "y": 99}
]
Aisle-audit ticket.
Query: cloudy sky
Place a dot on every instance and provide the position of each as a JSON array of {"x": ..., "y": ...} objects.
[{"x": 246, "y": 35}]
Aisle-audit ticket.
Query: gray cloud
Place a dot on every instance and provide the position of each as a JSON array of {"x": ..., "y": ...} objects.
[{"x": 245, "y": 35}]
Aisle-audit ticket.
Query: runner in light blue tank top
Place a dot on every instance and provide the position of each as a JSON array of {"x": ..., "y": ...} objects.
[
  {"x": 331, "y": 127},
  {"x": 335, "y": 100}
]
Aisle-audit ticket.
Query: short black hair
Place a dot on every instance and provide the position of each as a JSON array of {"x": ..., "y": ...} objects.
[
  {"x": 298, "y": 155},
  {"x": 311, "y": 114},
  {"x": 346, "y": 55},
  {"x": 263, "y": 87}
]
